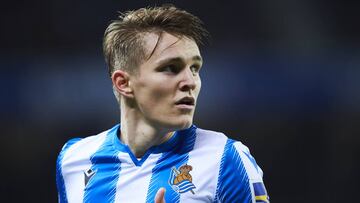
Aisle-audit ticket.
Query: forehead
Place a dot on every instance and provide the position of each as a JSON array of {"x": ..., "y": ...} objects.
[{"x": 159, "y": 47}]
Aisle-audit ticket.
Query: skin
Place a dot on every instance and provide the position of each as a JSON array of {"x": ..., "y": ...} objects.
[
  {"x": 149, "y": 109},
  {"x": 149, "y": 96},
  {"x": 160, "y": 196}
]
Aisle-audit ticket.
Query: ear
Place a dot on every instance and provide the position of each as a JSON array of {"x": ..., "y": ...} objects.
[{"x": 120, "y": 80}]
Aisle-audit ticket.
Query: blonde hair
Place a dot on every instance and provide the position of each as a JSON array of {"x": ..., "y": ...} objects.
[{"x": 123, "y": 39}]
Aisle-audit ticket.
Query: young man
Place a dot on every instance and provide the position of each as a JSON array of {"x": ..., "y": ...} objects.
[{"x": 154, "y": 63}]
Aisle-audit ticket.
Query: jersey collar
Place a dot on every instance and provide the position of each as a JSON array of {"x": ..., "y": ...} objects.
[{"x": 167, "y": 146}]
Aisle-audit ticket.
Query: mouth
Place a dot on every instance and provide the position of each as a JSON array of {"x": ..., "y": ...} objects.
[{"x": 186, "y": 102}]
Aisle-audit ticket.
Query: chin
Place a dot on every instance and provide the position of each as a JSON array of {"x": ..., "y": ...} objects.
[
  {"x": 186, "y": 125},
  {"x": 179, "y": 124}
]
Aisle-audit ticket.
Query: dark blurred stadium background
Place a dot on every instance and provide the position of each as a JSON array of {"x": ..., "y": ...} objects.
[{"x": 282, "y": 76}]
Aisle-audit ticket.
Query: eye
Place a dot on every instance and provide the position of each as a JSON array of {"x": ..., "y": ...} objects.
[
  {"x": 170, "y": 69},
  {"x": 195, "y": 69}
]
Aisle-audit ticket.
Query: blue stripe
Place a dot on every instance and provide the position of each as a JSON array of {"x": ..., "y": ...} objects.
[
  {"x": 59, "y": 176},
  {"x": 177, "y": 157},
  {"x": 184, "y": 183},
  {"x": 106, "y": 165},
  {"x": 233, "y": 183},
  {"x": 187, "y": 188}
]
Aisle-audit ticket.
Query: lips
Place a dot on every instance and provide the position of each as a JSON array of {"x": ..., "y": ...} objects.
[{"x": 190, "y": 101}]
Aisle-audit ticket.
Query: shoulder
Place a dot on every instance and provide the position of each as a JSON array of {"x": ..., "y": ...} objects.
[
  {"x": 238, "y": 171},
  {"x": 210, "y": 133},
  {"x": 233, "y": 154},
  {"x": 211, "y": 138},
  {"x": 223, "y": 142},
  {"x": 236, "y": 153},
  {"x": 210, "y": 143},
  {"x": 80, "y": 146},
  {"x": 73, "y": 160}
]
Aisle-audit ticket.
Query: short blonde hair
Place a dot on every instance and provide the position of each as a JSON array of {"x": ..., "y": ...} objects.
[{"x": 123, "y": 39}]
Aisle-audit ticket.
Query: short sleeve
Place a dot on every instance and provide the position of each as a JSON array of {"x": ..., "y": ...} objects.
[{"x": 240, "y": 178}]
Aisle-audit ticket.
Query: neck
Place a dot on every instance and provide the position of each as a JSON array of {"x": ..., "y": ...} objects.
[{"x": 138, "y": 134}]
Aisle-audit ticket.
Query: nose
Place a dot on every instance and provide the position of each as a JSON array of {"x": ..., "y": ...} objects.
[{"x": 188, "y": 81}]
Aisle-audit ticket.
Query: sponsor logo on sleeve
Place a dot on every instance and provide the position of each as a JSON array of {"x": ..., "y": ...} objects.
[{"x": 260, "y": 193}]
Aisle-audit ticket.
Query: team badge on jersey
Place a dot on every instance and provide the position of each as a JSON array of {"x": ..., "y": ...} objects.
[
  {"x": 180, "y": 179},
  {"x": 260, "y": 193}
]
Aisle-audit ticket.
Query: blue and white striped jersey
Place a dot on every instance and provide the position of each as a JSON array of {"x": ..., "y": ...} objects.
[{"x": 194, "y": 165}]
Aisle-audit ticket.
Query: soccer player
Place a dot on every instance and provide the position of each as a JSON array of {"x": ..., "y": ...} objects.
[{"x": 156, "y": 153}]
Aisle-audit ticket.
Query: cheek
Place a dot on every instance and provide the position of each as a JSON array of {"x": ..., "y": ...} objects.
[
  {"x": 154, "y": 94},
  {"x": 159, "y": 93},
  {"x": 198, "y": 86}
]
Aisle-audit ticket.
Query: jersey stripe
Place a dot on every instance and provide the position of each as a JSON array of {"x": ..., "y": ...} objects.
[
  {"x": 74, "y": 173},
  {"x": 102, "y": 169},
  {"x": 174, "y": 158},
  {"x": 59, "y": 176},
  {"x": 106, "y": 165},
  {"x": 253, "y": 170},
  {"x": 232, "y": 171},
  {"x": 205, "y": 170},
  {"x": 130, "y": 187}
]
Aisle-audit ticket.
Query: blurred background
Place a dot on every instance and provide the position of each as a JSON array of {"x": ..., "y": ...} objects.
[{"x": 282, "y": 76}]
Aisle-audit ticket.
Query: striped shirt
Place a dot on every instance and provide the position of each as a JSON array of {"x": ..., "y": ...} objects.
[{"x": 194, "y": 165}]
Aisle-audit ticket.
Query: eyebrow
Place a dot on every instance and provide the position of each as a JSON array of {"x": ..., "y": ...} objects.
[{"x": 179, "y": 59}]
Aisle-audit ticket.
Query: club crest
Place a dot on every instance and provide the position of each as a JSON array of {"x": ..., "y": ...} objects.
[{"x": 180, "y": 179}]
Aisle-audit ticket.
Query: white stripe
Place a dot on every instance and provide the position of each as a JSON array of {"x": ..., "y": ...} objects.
[
  {"x": 205, "y": 159},
  {"x": 187, "y": 188},
  {"x": 76, "y": 160},
  {"x": 185, "y": 184},
  {"x": 134, "y": 180}
]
